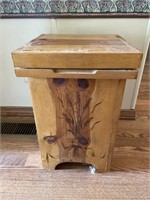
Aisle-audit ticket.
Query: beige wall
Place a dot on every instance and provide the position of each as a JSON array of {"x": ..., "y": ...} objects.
[{"x": 16, "y": 32}]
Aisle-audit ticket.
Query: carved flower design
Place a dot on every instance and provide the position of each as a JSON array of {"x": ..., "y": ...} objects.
[
  {"x": 83, "y": 83},
  {"x": 83, "y": 140}
]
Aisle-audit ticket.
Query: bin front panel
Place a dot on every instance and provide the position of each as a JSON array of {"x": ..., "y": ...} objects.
[{"x": 76, "y": 119}]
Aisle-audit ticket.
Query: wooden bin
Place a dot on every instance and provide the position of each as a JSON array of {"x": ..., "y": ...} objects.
[{"x": 77, "y": 83}]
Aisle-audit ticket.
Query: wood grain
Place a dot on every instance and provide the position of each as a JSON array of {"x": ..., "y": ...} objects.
[
  {"x": 72, "y": 99},
  {"x": 64, "y": 102},
  {"x": 143, "y": 102},
  {"x": 90, "y": 74},
  {"x": 77, "y": 51},
  {"x": 10, "y": 160},
  {"x": 21, "y": 114},
  {"x": 17, "y": 114},
  {"x": 72, "y": 185},
  {"x": 128, "y": 179},
  {"x": 51, "y": 104}
]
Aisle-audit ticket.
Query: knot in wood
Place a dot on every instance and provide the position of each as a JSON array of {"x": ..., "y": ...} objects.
[
  {"x": 50, "y": 139},
  {"x": 83, "y": 141},
  {"x": 83, "y": 83},
  {"x": 58, "y": 81}
]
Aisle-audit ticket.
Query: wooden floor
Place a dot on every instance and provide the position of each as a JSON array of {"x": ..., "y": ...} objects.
[{"x": 22, "y": 176}]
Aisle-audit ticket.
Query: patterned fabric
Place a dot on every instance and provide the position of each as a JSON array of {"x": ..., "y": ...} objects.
[{"x": 73, "y": 6}]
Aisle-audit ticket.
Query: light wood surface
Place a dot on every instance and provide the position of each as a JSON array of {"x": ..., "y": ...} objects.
[
  {"x": 77, "y": 51},
  {"x": 24, "y": 114},
  {"x": 92, "y": 74},
  {"x": 76, "y": 115},
  {"x": 23, "y": 177},
  {"x": 55, "y": 106},
  {"x": 73, "y": 185}
]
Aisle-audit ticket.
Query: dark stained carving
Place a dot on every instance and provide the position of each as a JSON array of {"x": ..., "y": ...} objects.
[
  {"x": 83, "y": 83},
  {"x": 58, "y": 81},
  {"x": 74, "y": 117}
]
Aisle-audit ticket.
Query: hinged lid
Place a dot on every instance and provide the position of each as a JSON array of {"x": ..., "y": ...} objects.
[{"x": 77, "y": 52}]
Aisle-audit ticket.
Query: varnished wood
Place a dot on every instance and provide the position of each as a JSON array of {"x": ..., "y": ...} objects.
[
  {"x": 76, "y": 112},
  {"x": 143, "y": 102},
  {"x": 74, "y": 184},
  {"x": 23, "y": 114},
  {"x": 17, "y": 114},
  {"x": 131, "y": 150},
  {"x": 129, "y": 176},
  {"x": 127, "y": 114},
  {"x": 77, "y": 51},
  {"x": 92, "y": 74},
  {"x": 51, "y": 103}
]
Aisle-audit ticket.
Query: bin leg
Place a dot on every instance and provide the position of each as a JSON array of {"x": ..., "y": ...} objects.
[{"x": 76, "y": 119}]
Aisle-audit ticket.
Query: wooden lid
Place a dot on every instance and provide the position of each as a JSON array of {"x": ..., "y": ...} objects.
[{"x": 77, "y": 51}]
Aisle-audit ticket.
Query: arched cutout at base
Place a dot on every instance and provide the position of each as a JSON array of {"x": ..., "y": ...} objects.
[{"x": 73, "y": 165}]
